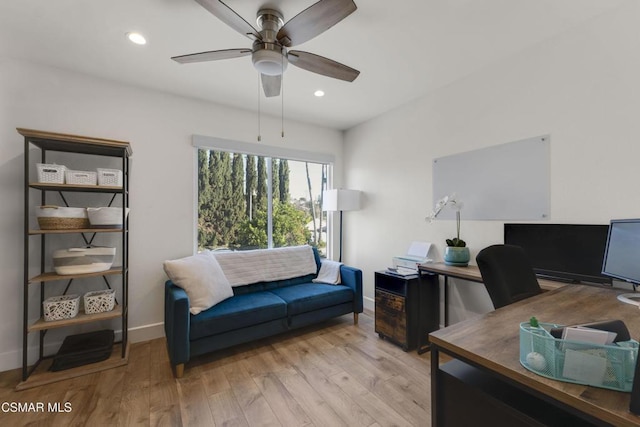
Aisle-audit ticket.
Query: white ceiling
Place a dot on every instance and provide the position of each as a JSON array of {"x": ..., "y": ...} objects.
[{"x": 404, "y": 49}]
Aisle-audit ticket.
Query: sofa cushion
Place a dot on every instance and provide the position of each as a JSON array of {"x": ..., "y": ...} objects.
[
  {"x": 237, "y": 312},
  {"x": 313, "y": 296},
  {"x": 202, "y": 278}
]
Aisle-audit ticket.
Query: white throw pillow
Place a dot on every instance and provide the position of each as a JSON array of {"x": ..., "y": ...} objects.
[
  {"x": 329, "y": 272},
  {"x": 202, "y": 279}
]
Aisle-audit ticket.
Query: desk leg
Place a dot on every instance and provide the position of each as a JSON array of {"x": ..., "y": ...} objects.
[
  {"x": 422, "y": 348},
  {"x": 428, "y": 308},
  {"x": 446, "y": 303},
  {"x": 435, "y": 367}
]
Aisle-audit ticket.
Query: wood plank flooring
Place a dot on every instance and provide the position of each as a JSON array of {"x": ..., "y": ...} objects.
[{"x": 332, "y": 374}]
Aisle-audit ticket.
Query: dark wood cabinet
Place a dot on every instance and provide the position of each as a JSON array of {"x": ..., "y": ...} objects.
[{"x": 398, "y": 301}]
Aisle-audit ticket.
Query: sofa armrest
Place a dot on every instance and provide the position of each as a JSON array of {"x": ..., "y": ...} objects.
[
  {"x": 352, "y": 277},
  {"x": 177, "y": 323}
]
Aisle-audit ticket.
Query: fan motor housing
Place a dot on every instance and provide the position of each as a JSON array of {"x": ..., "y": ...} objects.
[{"x": 269, "y": 58}]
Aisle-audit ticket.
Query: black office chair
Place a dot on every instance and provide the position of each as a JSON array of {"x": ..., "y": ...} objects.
[{"x": 507, "y": 274}]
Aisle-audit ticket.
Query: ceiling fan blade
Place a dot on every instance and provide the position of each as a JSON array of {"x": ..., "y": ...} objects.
[
  {"x": 230, "y": 17},
  {"x": 321, "y": 65},
  {"x": 314, "y": 20},
  {"x": 271, "y": 85},
  {"x": 213, "y": 55}
]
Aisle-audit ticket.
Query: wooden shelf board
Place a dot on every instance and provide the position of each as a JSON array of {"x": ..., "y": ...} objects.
[
  {"x": 42, "y": 324},
  {"x": 50, "y": 276},
  {"x": 74, "y": 187},
  {"x": 42, "y": 375},
  {"x": 77, "y": 230},
  {"x": 76, "y": 143}
]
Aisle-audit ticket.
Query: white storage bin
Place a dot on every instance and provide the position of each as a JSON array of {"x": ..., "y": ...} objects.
[
  {"x": 51, "y": 217},
  {"x": 61, "y": 307},
  {"x": 106, "y": 217},
  {"x": 88, "y": 259},
  {"x": 110, "y": 177},
  {"x": 50, "y": 173},
  {"x": 81, "y": 177},
  {"x": 99, "y": 301}
]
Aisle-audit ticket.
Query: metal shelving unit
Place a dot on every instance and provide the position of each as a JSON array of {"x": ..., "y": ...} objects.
[{"x": 38, "y": 373}]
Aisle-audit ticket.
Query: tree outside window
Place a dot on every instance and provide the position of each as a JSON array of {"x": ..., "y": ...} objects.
[{"x": 233, "y": 195}]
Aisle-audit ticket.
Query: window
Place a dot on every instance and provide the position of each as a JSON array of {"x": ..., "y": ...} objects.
[{"x": 249, "y": 201}]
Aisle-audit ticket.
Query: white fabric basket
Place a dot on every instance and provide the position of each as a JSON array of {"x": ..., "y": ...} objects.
[
  {"x": 110, "y": 177},
  {"x": 99, "y": 301},
  {"x": 50, "y": 173},
  {"x": 81, "y": 177},
  {"x": 61, "y": 307}
]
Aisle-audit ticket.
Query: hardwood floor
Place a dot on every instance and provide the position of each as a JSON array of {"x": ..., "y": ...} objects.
[{"x": 332, "y": 374}]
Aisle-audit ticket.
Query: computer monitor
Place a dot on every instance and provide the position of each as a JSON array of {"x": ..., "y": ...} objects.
[
  {"x": 566, "y": 252},
  {"x": 622, "y": 253}
]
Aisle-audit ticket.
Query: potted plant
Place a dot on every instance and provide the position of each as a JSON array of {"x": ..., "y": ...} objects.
[{"x": 456, "y": 252}]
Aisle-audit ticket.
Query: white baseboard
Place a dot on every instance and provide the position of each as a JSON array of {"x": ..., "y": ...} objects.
[
  {"x": 13, "y": 359},
  {"x": 369, "y": 303}
]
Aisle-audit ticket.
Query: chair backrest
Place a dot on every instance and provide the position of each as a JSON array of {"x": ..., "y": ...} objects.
[{"x": 507, "y": 274}]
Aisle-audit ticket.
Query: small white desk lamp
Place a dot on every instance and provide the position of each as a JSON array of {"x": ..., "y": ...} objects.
[{"x": 340, "y": 200}]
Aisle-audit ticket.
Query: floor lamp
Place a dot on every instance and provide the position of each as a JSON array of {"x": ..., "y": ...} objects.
[{"x": 340, "y": 200}]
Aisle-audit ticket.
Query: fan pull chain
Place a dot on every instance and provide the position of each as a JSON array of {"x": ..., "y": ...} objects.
[{"x": 259, "y": 128}]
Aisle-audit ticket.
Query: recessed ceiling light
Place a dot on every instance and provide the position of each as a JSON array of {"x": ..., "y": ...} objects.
[
  {"x": 137, "y": 38},
  {"x": 318, "y": 93}
]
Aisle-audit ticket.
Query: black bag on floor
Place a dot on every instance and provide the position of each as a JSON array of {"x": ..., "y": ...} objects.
[{"x": 82, "y": 349}]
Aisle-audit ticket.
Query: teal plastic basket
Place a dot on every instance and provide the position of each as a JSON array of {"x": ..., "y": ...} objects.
[{"x": 606, "y": 366}]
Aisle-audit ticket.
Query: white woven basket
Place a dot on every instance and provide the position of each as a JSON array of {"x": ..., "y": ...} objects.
[
  {"x": 99, "y": 301},
  {"x": 61, "y": 307},
  {"x": 81, "y": 177},
  {"x": 110, "y": 177},
  {"x": 50, "y": 173}
]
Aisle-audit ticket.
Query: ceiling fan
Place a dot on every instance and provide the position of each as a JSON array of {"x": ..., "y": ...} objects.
[{"x": 269, "y": 52}]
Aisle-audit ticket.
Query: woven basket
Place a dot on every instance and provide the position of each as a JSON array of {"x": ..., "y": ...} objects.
[
  {"x": 99, "y": 301},
  {"x": 52, "y": 217},
  {"x": 61, "y": 307},
  {"x": 63, "y": 223}
]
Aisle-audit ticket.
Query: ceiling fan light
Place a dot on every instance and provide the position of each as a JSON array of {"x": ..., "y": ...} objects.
[{"x": 269, "y": 62}]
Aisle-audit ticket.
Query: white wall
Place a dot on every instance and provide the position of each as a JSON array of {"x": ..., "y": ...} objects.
[
  {"x": 582, "y": 87},
  {"x": 159, "y": 127}
]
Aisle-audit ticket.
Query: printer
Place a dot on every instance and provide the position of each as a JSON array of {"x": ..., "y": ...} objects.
[{"x": 416, "y": 254}]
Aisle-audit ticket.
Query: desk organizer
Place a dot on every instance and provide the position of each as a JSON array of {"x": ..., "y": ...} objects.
[{"x": 606, "y": 366}]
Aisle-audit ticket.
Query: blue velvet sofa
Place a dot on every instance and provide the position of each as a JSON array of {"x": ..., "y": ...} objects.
[{"x": 256, "y": 311}]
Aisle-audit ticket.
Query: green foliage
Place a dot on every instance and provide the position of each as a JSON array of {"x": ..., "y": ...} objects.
[
  {"x": 232, "y": 203},
  {"x": 261, "y": 185},
  {"x": 275, "y": 180},
  {"x": 251, "y": 182},
  {"x": 283, "y": 174},
  {"x": 289, "y": 228},
  {"x": 457, "y": 243},
  {"x": 533, "y": 322}
]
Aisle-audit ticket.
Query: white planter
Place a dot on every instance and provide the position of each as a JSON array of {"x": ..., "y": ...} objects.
[
  {"x": 105, "y": 217},
  {"x": 89, "y": 259}
]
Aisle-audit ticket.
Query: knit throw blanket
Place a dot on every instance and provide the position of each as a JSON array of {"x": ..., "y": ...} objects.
[{"x": 266, "y": 265}]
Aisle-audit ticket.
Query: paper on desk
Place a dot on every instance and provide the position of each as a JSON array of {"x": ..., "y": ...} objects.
[
  {"x": 584, "y": 366},
  {"x": 419, "y": 249},
  {"x": 589, "y": 335}
]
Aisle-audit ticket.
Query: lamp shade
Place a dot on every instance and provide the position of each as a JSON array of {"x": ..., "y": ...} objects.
[{"x": 341, "y": 200}]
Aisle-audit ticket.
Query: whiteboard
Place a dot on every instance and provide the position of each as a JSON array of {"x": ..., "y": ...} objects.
[{"x": 504, "y": 182}]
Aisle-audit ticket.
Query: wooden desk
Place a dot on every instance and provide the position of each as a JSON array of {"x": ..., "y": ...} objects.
[
  {"x": 490, "y": 345},
  {"x": 470, "y": 273}
]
